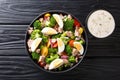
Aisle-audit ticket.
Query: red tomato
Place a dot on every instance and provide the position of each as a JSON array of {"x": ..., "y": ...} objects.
[
  {"x": 55, "y": 45},
  {"x": 71, "y": 43},
  {"x": 76, "y": 23}
]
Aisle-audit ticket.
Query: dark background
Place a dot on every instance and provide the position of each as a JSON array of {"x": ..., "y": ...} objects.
[{"x": 102, "y": 61}]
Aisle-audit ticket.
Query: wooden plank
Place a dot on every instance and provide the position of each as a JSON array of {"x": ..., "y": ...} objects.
[
  {"x": 107, "y": 47},
  {"x": 12, "y": 39},
  {"x": 100, "y": 63},
  {"x": 20, "y": 68},
  {"x": 24, "y": 11}
]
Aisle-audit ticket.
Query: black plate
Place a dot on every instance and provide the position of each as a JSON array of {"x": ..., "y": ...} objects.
[{"x": 84, "y": 34}]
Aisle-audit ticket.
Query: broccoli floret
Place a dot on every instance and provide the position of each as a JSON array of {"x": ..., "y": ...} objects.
[
  {"x": 44, "y": 39},
  {"x": 52, "y": 21},
  {"x": 35, "y": 34},
  {"x": 51, "y": 58},
  {"x": 68, "y": 50},
  {"x": 52, "y": 50},
  {"x": 35, "y": 55},
  {"x": 68, "y": 25},
  {"x": 37, "y": 24},
  {"x": 71, "y": 59}
]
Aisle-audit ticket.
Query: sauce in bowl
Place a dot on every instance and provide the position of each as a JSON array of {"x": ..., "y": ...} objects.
[{"x": 101, "y": 23}]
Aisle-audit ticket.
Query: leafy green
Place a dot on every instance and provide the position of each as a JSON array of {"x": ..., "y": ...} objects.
[
  {"x": 37, "y": 24},
  {"x": 52, "y": 21},
  {"x": 51, "y": 57},
  {"x": 56, "y": 36},
  {"x": 64, "y": 34},
  {"x": 82, "y": 42},
  {"x": 65, "y": 39},
  {"x": 52, "y": 50},
  {"x": 71, "y": 59},
  {"x": 35, "y": 55},
  {"x": 72, "y": 37},
  {"x": 68, "y": 50},
  {"x": 68, "y": 25},
  {"x": 35, "y": 34}
]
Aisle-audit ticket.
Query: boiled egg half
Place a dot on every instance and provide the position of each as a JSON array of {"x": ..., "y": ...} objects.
[
  {"x": 35, "y": 44},
  {"x": 55, "y": 64},
  {"x": 49, "y": 31},
  {"x": 61, "y": 45},
  {"x": 79, "y": 47},
  {"x": 58, "y": 20}
]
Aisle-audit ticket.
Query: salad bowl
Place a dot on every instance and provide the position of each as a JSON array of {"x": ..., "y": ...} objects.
[{"x": 56, "y": 41}]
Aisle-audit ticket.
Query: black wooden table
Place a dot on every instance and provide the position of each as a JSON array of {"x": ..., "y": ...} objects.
[{"x": 102, "y": 61}]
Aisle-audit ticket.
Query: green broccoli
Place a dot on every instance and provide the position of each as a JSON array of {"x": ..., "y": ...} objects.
[
  {"x": 68, "y": 50},
  {"x": 68, "y": 25},
  {"x": 51, "y": 57},
  {"x": 52, "y": 50},
  {"x": 71, "y": 59},
  {"x": 37, "y": 24},
  {"x": 44, "y": 39},
  {"x": 35, "y": 55},
  {"x": 35, "y": 34},
  {"x": 52, "y": 21}
]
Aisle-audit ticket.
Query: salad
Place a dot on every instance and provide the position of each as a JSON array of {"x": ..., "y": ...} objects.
[{"x": 56, "y": 41}]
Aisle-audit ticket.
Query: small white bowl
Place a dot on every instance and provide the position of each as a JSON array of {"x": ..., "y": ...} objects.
[{"x": 100, "y": 23}]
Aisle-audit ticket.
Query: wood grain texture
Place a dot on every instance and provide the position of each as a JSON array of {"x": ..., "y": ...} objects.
[
  {"x": 100, "y": 63},
  {"x": 13, "y": 39},
  {"x": 24, "y": 11},
  {"x": 89, "y": 69}
]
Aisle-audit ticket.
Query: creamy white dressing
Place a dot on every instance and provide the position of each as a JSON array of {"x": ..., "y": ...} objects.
[{"x": 101, "y": 23}]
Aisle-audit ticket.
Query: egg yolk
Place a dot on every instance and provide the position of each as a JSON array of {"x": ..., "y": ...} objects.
[
  {"x": 77, "y": 46},
  {"x": 57, "y": 64}
]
